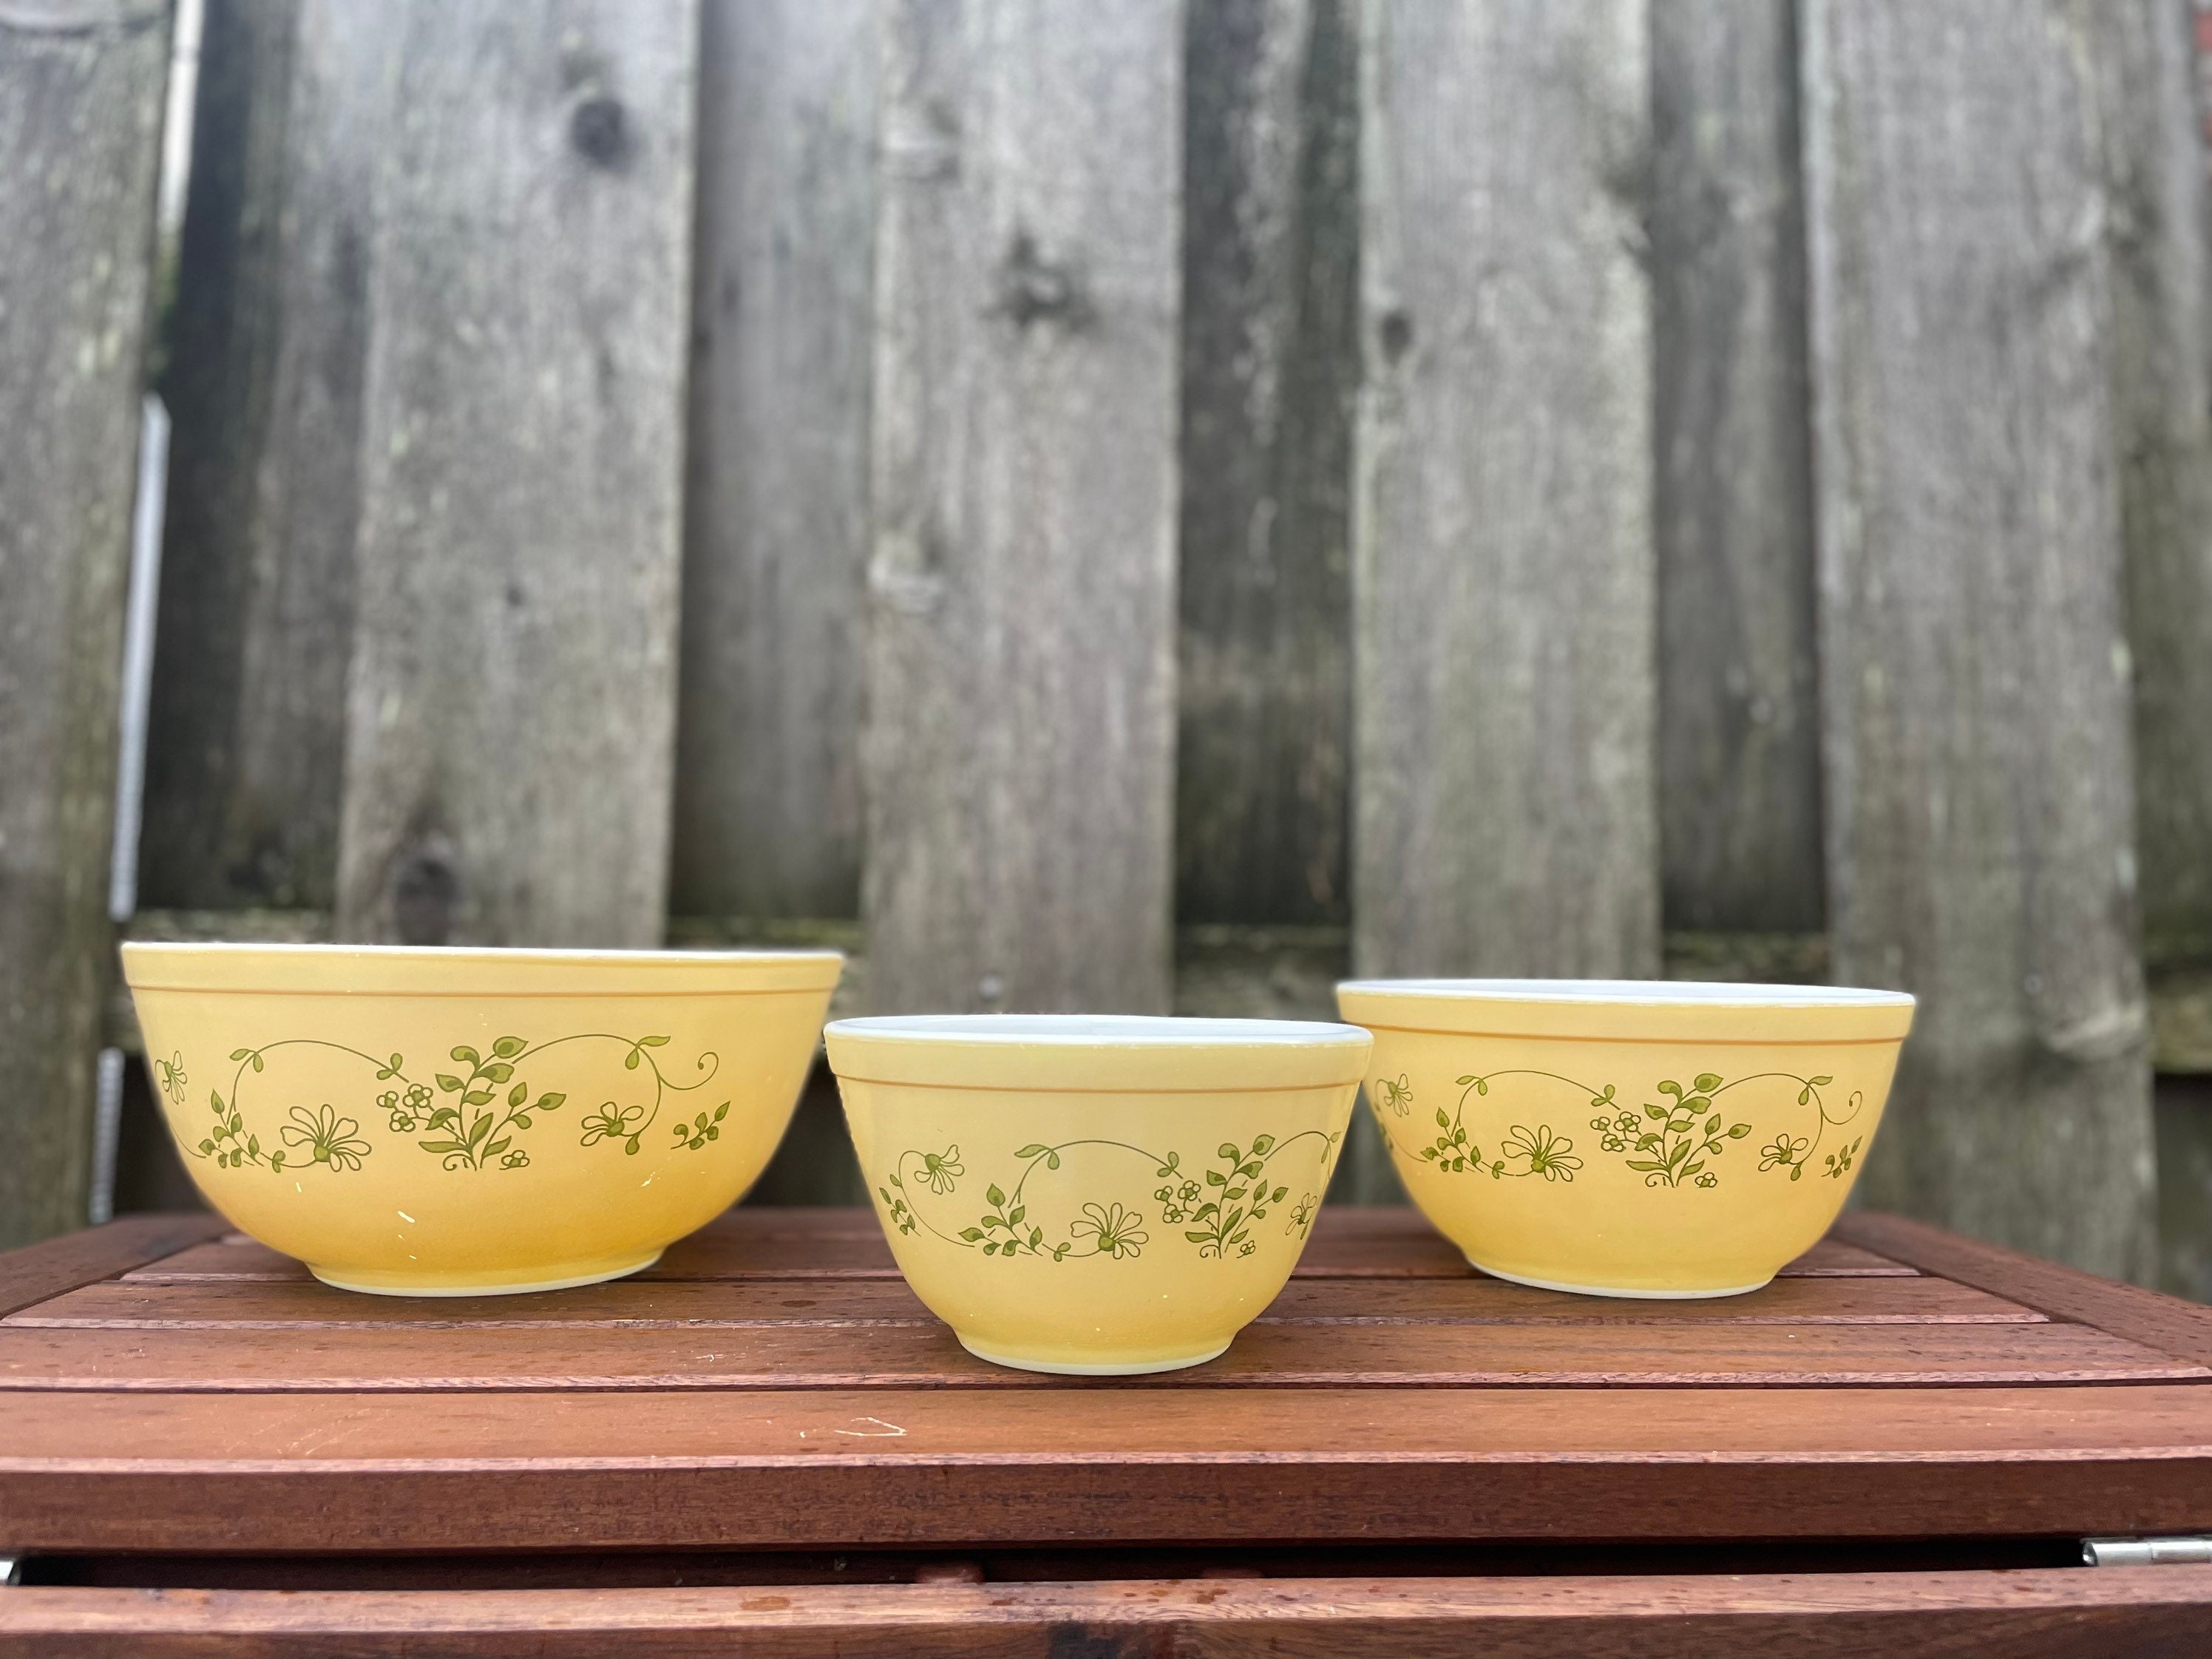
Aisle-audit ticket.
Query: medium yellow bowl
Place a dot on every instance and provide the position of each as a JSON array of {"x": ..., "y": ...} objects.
[
  {"x": 458, "y": 1122},
  {"x": 1628, "y": 1136},
  {"x": 1098, "y": 1195}
]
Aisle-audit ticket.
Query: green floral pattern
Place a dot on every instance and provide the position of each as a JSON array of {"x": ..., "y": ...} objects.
[
  {"x": 1215, "y": 1209},
  {"x": 1672, "y": 1141},
  {"x": 472, "y": 1117}
]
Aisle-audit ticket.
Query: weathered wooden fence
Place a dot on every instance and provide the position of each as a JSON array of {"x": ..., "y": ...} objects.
[{"x": 1144, "y": 506}]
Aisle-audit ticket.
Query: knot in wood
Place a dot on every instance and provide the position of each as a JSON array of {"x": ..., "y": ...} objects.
[
  {"x": 426, "y": 893},
  {"x": 1033, "y": 289},
  {"x": 1396, "y": 331},
  {"x": 599, "y": 130}
]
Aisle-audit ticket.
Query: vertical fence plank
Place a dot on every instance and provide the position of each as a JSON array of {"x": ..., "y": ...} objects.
[
  {"x": 511, "y": 710},
  {"x": 2155, "y": 163},
  {"x": 768, "y": 811},
  {"x": 1981, "y": 807},
  {"x": 1270, "y": 366},
  {"x": 1504, "y": 563},
  {"x": 246, "y": 745},
  {"x": 1739, "y": 761},
  {"x": 1018, "y": 758},
  {"x": 81, "y": 92}
]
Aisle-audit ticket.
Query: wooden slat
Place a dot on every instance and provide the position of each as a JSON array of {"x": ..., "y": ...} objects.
[
  {"x": 33, "y": 1275},
  {"x": 1504, "y": 562},
  {"x": 1980, "y": 795},
  {"x": 2161, "y": 334},
  {"x": 922, "y": 1354},
  {"x": 2184, "y": 1186},
  {"x": 768, "y": 794},
  {"x": 1739, "y": 727},
  {"x": 80, "y": 87},
  {"x": 1019, "y": 750},
  {"x": 245, "y": 743},
  {"x": 1270, "y": 368},
  {"x": 2048, "y": 1613},
  {"x": 335, "y": 1472},
  {"x": 2166, "y": 1323},
  {"x": 1348, "y": 1242},
  {"x": 139, "y": 1303},
  {"x": 512, "y": 700}
]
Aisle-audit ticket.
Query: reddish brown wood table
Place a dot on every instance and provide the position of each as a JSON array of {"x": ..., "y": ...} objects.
[{"x": 765, "y": 1443}]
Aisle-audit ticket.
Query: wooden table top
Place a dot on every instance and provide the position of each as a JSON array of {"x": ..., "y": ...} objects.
[{"x": 774, "y": 1382}]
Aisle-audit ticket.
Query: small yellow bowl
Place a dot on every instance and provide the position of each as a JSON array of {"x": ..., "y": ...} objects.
[
  {"x": 1628, "y": 1136},
  {"x": 464, "y": 1122},
  {"x": 1097, "y": 1195}
]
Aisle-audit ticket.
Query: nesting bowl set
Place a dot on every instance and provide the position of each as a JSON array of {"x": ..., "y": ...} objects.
[{"x": 1088, "y": 1194}]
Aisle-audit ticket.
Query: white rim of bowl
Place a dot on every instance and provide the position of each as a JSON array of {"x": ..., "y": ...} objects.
[
  {"x": 1650, "y": 993},
  {"x": 468, "y": 970},
  {"x": 239, "y": 947}
]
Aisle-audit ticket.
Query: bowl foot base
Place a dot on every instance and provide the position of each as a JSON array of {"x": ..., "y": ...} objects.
[
  {"x": 561, "y": 1276},
  {"x": 1115, "y": 1368},
  {"x": 1614, "y": 1289}
]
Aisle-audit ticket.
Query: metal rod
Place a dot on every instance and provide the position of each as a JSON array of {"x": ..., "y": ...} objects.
[{"x": 2146, "y": 1552}]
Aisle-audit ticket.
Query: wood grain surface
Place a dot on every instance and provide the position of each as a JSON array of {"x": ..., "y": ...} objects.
[
  {"x": 1018, "y": 754},
  {"x": 1348, "y": 1242},
  {"x": 1739, "y": 706},
  {"x": 2161, "y": 239},
  {"x": 171, "y": 1394},
  {"x": 58, "y": 1265},
  {"x": 1270, "y": 373},
  {"x": 2156, "y": 1613},
  {"x": 1980, "y": 776},
  {"x": 768, "y": 784},
  {"x": 246, "y": 740},
  {"x": 80, "y": 87},
  {"x": 1503, "y": 564},
  {"x": 510, "y": 703}
]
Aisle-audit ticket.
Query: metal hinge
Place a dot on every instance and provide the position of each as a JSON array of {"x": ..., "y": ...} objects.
[{"x": 2146, "y": 1552}]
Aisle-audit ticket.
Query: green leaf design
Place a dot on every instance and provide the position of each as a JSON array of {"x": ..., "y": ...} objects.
[
  {"x": 654, "y": 1042},
  {"x": 449, "y": 1082},
  {"x": 509, "y": 1046},
  {"x": 466, "y": 1056}
]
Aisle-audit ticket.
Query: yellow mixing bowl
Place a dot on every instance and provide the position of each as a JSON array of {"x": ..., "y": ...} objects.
[
  {"x": 1095, "y": 1194},
  {"x": 1628, "y": 1136},
  {"x": 458, "y": 1122}
]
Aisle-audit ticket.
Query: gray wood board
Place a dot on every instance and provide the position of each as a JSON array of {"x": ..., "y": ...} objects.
[
  {"x": 1018, "y": 755},
  {"x": 1270, "y": 370},
  {"x": 1504, "y": 565},
  {"x": 246, "y": 737},
  {"x": 767, "y": 791},
  {"x": 1981, "y": 822},
  {"x": 2155, "y": 168},
  {"x": 80, "y": 95},
  {"x": 1740, "y": 732},
  {"x": 511, "y": 704}
]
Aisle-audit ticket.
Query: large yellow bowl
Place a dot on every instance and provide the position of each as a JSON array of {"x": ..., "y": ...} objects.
[
  {"x": 455, "y": 1123},
  {"x": 1628, "y": 1136},
  {"x": 1097, "y": 1195}
]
